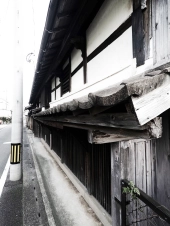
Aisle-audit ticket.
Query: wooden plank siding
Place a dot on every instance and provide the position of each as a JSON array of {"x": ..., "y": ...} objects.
[
  {"x": 146, "y": 163},
  {"x": 162, "y": 164},
  {"x": 36, "y": 128},
  {"x": 161, "y": 30},
  {"x": 91, "y": 164}
]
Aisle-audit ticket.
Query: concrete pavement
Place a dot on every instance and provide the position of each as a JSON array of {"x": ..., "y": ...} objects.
[{"x": 44, "y": 195}]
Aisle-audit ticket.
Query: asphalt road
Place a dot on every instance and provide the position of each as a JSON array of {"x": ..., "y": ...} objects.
[{"x": 5, "y": 146}]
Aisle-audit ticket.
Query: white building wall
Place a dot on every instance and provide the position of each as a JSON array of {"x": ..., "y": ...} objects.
[
  {"x": 110, "y": 16},
  {"x": 77, "y": 81},
  {"x": 58, "y": 93},
  {"x": 114, "y": 58},
  {"x": 53, "y": 96},
  {"x": 76, "y": 58},
  {"x": 115, "y": 63}
]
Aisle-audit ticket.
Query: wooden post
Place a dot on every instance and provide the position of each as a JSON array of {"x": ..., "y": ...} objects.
[
  {"x": 62, "y": 143},
  {"x": 50, "y": 140}
]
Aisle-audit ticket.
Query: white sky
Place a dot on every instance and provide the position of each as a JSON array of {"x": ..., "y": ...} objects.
[{"x": 33, "y": 15}]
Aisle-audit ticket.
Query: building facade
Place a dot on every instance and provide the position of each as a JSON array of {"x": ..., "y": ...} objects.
[{"x": 100, "y": 99}]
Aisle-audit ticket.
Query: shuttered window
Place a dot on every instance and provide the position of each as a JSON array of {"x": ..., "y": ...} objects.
[{"x": 65, "y": 87}]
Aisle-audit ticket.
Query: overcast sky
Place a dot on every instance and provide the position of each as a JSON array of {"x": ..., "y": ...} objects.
[{"x": 33, "y": 15}]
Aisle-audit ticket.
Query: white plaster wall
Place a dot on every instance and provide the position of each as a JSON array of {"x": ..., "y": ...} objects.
[
  {"x": 115, "y": 57},
  {"x": 77, "y": 82},
  {"x": 58, "y": 93},
  {"x": 53, "y": 96},
  {"x": 111, "y": 15},
  {"x": 76, "y": 58},
  {"x": 114, "y": 79},
  {"x": 53, "y": 83}
]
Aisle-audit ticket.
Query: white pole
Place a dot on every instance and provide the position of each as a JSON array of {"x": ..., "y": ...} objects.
[{"x": 17, "y": 111}]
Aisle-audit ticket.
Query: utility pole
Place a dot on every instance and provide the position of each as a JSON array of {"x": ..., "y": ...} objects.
[{"x": 17, "y": 110}]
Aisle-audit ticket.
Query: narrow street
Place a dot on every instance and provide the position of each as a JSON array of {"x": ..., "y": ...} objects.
[{"x": 5, "y": 139}]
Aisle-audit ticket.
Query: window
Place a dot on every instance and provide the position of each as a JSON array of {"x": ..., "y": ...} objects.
[
  {"x": 66, "y": 78},
  {"x": 55, "y": 88}
]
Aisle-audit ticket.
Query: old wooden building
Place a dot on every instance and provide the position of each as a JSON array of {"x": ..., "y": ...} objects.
[{"x": 100, "y": 102}]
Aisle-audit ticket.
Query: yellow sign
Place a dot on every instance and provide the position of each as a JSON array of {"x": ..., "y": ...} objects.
[{"x": 15, "y": 153}]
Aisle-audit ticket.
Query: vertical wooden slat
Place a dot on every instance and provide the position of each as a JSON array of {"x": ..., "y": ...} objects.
[
  {"x": 70, "y": 73},
  {"x": 138, "y": 36},
  {"x": 161, "y": 32},
  {"x": 148, "y": 169},
  {"x": 115, "y": 183},
  {"x": 168, "y": 2},
  {"x": 84, "y": 54},
  {"x": 147, "y": 29}
]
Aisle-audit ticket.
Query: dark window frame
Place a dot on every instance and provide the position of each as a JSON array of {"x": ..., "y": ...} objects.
[
  {"x": 55, "y": 86},
  {"x": 65, "y": 79}
]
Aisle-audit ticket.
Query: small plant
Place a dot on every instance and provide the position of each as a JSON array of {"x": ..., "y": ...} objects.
[{"x": 132, "y": 190}]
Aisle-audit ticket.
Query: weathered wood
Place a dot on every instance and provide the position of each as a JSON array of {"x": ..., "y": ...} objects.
[
  {"x": 116, "y": 120},
  {"x": 147, "y": 26},
  {"x": 136, "y": 4},
  {"x": 115, "y": 182},
  {"x": 161, "y": 26},
  {"x": 98, "y": 109},
  {"x": 161, "y": 163},
  {"x": 115, "y": 135},
  {"x": 138, "y": 36},
  {"x": 52, "y": 124},
  {"x": 98, "y": 137},
  {"x": 155, "y": 128},
  {"x": 152, "y": 104}
]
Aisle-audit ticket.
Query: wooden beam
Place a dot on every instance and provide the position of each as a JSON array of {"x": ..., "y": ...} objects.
[
  {"x": 52, "y": 124},
  {"x": 98, "y": 109},
  {"x": 98, "y": 134},
  {"x": 116, "y": 120},
  {"x": 138, "y": 34},
  {"x": 152, "y": 104},
  {"x": 115, "y": 135}
]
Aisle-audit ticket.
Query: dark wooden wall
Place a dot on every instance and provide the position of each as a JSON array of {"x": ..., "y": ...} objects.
[
  {"x": 36, "y": 128},
  {"x": 146, "y": 163},
  {"x": 91, "y": 164},
  {"x": 162, "y": 164}
]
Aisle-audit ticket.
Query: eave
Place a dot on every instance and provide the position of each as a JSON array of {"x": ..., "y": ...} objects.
[
  {"x": 65, "y": 19},
  {"x": 144, "y": 98}
]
